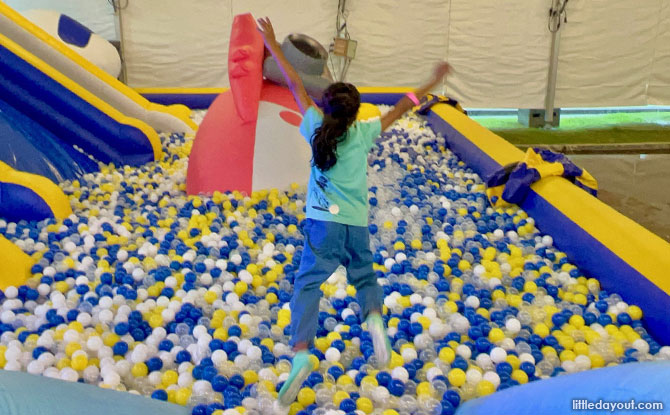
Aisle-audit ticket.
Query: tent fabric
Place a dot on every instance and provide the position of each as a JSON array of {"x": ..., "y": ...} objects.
[
  {"x": 500, "y": 54},
  {"x": 612, "y": 52},
  {"x": 658, "y": 92},
  {"x": 607, "y": 49},
  {"x": 98, "y": 15},
  {"x": 397, "y": 41},
  {"x": 185, "y": 44}
]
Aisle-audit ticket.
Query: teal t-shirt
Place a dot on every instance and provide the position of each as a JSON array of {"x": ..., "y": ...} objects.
[{"x": 341, "y": 193}]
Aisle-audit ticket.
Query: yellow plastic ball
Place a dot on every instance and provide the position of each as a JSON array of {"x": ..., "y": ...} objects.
[
  {"x": 155, "y": 321},
  {"x": 63, "y": 363},
  {"x": 182, "y": 396},
  {"x": 250, "y": 377},
  {"x": 365, "y": 405},
  {"x": 367, "y": 111},
  {"x": 520, "y": 376},
  {"x": 139, "y": 369},
  {"x": 306, "y": 396},
  {"x": 496, "y": 335},
  {"x": 447, "y": 355},
  {"x": 314, "y": 361},
  {"x": 294, "y": 408},
  {"x": 485, "y": 387},
  {"x": 425, "y": 322},
  {"x": 581, "y": 348},
  {"x": 241, "y": 287},
  {"x": 513, "y": 360},
  {"x": 322, "y": 344},
  {"x": 369, "y": 380},
  {"x": 210, "y": 297},
  {"x": 456, "y": 377},
  {"x": 71, "y": 348},
  {"x": 567, "y": 355},
  {"x": 541, "y": 330},
  {"x": 530, "y": 287},
  {"x": 635, "y": 312},
  {"x": 577, "y": 321},
  {"x": 79, "y": 362},
  {"x": 424, "y": 389},
  {"x": 77, "y": 326},
  {"x": 596, "y": 360},
  {"x": 339, "y": 396},
  {"x": 170, "y": 377},
  {"x": 344, "y": 380},
  {"x": 396, "y": 360}
]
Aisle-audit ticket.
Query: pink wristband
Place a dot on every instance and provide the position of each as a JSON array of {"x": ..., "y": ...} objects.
[{"x": 412, "y": 97}]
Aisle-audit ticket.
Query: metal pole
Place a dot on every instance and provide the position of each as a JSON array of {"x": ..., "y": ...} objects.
[
  {"x": 554, "y": 27},
  {"x": 118, "y": 12}
]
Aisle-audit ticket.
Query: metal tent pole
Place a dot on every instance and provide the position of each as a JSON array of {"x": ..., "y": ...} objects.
[
  {"x": 118, "y": 13},
  {"x": 556, "y": 14}
]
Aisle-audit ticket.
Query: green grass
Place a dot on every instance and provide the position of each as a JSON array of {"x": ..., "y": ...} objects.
[{"x": 637, "y": 127}]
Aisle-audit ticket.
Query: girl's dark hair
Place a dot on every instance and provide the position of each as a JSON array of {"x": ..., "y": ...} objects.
[{"x": 340, "y": 104}]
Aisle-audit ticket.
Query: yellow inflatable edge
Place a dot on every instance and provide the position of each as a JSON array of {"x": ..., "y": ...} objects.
[{"x": 16, "y": 264}]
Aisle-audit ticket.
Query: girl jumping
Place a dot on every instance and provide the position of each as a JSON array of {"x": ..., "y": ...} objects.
[{"x": 336, "y": 227}]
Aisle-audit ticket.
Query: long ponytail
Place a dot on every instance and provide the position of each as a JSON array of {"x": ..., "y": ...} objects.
[{"x": 340, "y": 104}]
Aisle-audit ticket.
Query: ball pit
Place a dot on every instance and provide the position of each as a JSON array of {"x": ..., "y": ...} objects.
[{"x": 185, "y": 299}]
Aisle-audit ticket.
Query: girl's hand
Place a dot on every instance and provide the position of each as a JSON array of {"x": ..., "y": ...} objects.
[
  {"x": 265, "y": 27},
  {"x": 442, "y": 69}
]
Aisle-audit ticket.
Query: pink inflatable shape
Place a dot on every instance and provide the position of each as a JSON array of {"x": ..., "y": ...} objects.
[{"x": 249, "y": 139}]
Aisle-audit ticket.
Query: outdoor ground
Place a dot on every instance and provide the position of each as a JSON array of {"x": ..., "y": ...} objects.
[
  {"x": 635, "y": 127},
  {"x": 634, "y": 184}
]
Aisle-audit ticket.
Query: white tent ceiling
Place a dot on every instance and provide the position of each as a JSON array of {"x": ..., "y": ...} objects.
[{"x": 613, "y": 52}]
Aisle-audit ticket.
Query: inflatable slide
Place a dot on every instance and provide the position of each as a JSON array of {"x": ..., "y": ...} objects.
[
  {"x": 60, "y": 116},
  {"x": 95, "y": 80}
]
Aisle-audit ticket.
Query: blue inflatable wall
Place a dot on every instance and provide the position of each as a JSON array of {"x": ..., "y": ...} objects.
[
  {"x": 23, "y": 394},
  {"x": 43, "y": 122},
  {"x": 644, "y": 382}
]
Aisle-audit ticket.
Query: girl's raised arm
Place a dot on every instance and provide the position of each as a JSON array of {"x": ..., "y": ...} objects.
[
  {"x": 290, "y": 74},
  {"x": 407, "y": 102}
]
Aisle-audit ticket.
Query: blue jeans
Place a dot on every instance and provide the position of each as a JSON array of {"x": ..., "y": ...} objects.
[{"x": 327, "y": 246}]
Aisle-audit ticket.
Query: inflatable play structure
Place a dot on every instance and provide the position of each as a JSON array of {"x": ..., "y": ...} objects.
[
  {"x": 91, "y": 46},
  {"x": 72, "y": 398},
  {"x": 70, "y": 64},
  {"x": 61, "y": 115},
  {"x": 620, "y": 388},
  {"x": 249, "y": 139}
]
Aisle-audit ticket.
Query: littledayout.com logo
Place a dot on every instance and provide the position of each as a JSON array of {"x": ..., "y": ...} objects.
[{"x": 611, "y": 406}]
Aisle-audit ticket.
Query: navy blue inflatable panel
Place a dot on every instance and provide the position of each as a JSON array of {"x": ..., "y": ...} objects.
[
  {"x": 203, "y": 101},
  {"x": 29, "y": 147},
  {"x": 73, "y": 32},
  {"x": 381, "y": 98},
  {"x": 24, "y": 394},
  {"x": 69, "y": 117},
  {"x": 21, "y": 203},
  {"x": 645, "y": 382},
  {"x": 596, "y": 260},
  {"x": 193, "y": 101},
  {"x": 585, "y": 251}
]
